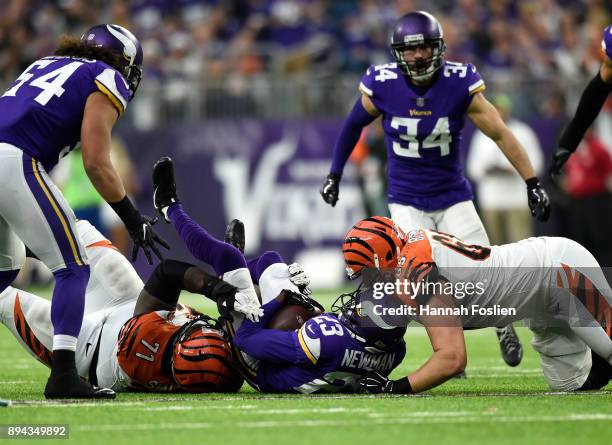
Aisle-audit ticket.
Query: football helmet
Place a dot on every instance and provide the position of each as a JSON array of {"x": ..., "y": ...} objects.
[
  {"x": 355, "y": 311},
  {"x": 119, "y": 40},
  {"x": 372, "y": 242},
  {"x": 202, "y": 358},
  {"x": 418, "y": 29}
]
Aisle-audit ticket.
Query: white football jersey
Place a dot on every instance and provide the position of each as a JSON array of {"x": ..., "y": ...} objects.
[{"x": 512, "y": 278}]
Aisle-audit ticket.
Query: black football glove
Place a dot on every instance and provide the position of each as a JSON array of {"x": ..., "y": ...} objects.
[
  {"x": 164, "y": 186},
  {"x": 330, "y": 189},
  {"x": 559, "y": 159},
  {"x": 303, "y": 300},
  {"x": 538, "y": 200},
  {"x": 145, "y": 238},
  {"x": 375, "y": 383},
  {"x": 140, "y": 228}
]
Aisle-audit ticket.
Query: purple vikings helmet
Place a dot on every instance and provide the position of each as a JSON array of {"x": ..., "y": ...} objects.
[
  {"x": 356, "y": 311},
  {"x": 119, "y": 40},
  {"x": 416, "y": 29}
]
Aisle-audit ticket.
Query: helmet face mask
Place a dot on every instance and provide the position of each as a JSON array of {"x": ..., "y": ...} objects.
[
  {"x": 418, "y": 30},
  {"x": 352, "y": 310},
  {"x": 121, "y": 41},
  {"x": 420, "y": 69},
  {"x": 201, "y": 359}
]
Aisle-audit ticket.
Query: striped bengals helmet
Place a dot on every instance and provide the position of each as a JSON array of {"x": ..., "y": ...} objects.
[
  {"x": 202, "y": 359},
  {"x": 372, "y": 242}
]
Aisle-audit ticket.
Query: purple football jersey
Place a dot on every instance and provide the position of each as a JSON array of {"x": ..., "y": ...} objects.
[
  {"x": 423, "y": 130},
  {"x": 322, "y": 356},
  {"x": 606, "y": 42},
  {"x": 42, "y": 111}
]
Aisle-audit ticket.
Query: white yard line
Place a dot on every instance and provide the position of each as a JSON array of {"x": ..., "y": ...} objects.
[
  {"x": 246, "y": 397},
  {"x": 430, "y": 418}
]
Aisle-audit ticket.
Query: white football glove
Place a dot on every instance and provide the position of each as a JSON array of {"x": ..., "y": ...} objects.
[
  {"x": 249, "y": 305},
  {"x": 299, "y": 277}
]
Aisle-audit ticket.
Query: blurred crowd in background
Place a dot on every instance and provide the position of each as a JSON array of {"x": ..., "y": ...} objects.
[
  {"x": 240, "y": 54},
  {"x": 207, "y": 59}
]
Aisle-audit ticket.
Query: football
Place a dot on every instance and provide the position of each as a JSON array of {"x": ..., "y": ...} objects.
[{"x": 291, "y": 317}]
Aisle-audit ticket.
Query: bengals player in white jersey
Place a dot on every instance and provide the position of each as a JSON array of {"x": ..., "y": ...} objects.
[
  {"x": 554, "y": 284},
  {"x": 135, "y": 335}
]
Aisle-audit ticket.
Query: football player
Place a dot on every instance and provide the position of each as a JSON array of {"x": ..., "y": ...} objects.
[
  {"x": 592, "y": 100},
  {"x": 328, "y": 352},
  {"x": 553, "y": 283},
  {"x": 74, "y": 96},
  {"x": 423, "y": 100},
  {"x": 135, "y": 336}
]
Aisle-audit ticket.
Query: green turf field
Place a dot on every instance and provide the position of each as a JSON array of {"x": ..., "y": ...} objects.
[{"x": 496, "y": 404}]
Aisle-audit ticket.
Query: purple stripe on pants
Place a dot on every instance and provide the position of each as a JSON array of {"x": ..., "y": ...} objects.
[{"x": 61, "y": 235}]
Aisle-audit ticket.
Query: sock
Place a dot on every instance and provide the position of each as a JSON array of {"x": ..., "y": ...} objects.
[
  {"x": 221, "y": 256},
  {"x": 63, "y": 362},
  {"x": 252, "y": 265},
  {"x": 68, "y": 301},
  {"x": 64, "y": 342},
  {"x": 6, "y": 278},
  {"x": 266, "y": 260}
]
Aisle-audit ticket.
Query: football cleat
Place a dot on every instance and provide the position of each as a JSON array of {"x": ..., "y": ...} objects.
[
  {"x": 234, "y": 234},
  {"x": 510, "y": 345},
  {"x": 71, "y": 386},
  {"x": 164, "y": 186}
]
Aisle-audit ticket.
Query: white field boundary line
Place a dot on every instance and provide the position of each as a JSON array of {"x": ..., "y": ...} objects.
[
  {"x": 254, "y": 397},
  {"x": 472, "y": 418}
]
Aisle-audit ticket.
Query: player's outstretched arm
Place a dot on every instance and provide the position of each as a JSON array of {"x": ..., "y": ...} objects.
[
  {"x": 449, "y": 356},
  {"x": 170, "y": 277},
  {"x": 362, "y": 114},
  {"x": 590, "y": 104},
  {"x": 484, "y": 115},
  {"x": 99, "y": 117}
]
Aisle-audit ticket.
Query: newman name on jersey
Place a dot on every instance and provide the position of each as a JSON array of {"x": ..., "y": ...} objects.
[{"x": 423, "y": 130}]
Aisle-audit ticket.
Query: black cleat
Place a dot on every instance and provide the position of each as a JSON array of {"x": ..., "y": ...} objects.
[
  {"x": 164, "y": 185},
  {"x": 510, "y": 345},
  {"x": 71, "y": 386},
  {"x": 234, "y": 234}
]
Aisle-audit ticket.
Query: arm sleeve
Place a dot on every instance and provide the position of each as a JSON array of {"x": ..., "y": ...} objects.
[
  {"x": 270, "y": 345},
  {"x": 591, "y": 102},
  {"x": 349, "y": 135}
]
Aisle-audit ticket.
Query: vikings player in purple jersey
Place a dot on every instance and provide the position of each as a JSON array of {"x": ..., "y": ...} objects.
[
  {"x": 74, "y": 96},
  {"x": 423, "y": 100},
  {"x": 592, "y": 99},
  {"x": 328, "y": 353}
]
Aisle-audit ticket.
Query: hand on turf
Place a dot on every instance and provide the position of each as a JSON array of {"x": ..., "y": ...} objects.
[
  {"x": 300, "y": 278},
  {"x": 145, "y": 238},
  {"x": 331, "y": 189},
  {"x": 375, "y": 383}
]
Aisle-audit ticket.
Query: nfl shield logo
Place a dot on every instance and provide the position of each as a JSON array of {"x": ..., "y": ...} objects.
[{"x": 420, "y": 102}]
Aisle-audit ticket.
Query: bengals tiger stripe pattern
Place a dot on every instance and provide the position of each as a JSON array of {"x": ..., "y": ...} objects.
[{"x": 372, "y": 242}]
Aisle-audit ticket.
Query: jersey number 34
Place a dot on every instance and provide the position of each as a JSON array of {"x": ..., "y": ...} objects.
[{"x": 408, "y": 129}]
